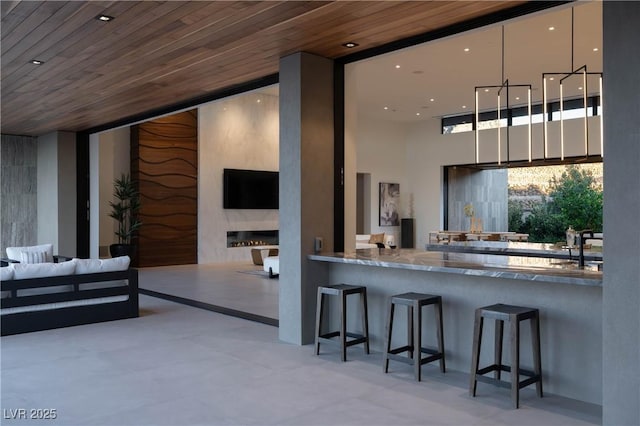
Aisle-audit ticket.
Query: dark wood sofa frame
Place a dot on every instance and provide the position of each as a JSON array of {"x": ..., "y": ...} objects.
[{"x": 23, "y": 322}]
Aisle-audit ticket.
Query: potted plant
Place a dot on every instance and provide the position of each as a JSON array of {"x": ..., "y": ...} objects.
[{"x": 125, "y": 211}]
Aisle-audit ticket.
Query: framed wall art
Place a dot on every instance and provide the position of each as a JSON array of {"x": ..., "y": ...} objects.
[{"x": 389, "y": 204}]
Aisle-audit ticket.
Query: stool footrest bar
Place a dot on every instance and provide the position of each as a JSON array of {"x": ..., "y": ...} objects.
[
  {"x": 495, "y": 382},
  {"x": 400, "y": 358},
  {"x": 400, "y": 350},
  {"x": 430, "y": 359},
  {"x": 430, "y": 351}
]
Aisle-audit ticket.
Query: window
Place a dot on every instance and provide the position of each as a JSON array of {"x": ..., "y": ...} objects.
[{"x": 517, "y": 116}]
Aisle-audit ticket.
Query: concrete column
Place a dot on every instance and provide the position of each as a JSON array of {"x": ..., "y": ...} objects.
[
  {"x": 306, "y": 187},
  {"x": 621, "y": 284},
  {"x": 57, "y": 192}
]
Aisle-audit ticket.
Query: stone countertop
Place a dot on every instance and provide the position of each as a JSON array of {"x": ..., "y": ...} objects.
[
  {"x": 515, "y": 248},
  {"x": 480, "y": 265}
]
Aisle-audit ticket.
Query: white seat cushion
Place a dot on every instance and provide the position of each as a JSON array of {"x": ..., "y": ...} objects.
[
  {"x": 15, "y": 253},
  {"x": 272, "y": 262},
  {"x": 6, "y": 273},
  {"x": 39, "y": 270},
  {"x": 92, "y": 266}
]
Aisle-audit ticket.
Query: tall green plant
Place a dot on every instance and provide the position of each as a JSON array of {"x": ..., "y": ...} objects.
[{"x": 125, "y": 209}]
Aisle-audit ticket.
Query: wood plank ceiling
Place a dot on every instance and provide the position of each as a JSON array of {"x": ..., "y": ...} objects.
[{"x": 159, "y": 53}]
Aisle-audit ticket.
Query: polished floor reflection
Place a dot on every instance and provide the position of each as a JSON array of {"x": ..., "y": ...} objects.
[
  {"x": 178, "y": 365},
  {"x": 235, "y": 288}
]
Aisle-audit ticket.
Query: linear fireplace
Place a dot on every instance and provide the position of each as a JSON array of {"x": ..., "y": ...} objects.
[{"x": 252, "y": 238}]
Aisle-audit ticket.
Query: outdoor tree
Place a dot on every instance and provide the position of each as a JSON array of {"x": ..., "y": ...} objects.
[{"x": 575, "y": 198}]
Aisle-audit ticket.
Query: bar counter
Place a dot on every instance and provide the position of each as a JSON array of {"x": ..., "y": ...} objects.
[
  {"x": 486, "y": 265},
  {"x": 569, "y": 300},
  {"x": 514, "y": 248}
]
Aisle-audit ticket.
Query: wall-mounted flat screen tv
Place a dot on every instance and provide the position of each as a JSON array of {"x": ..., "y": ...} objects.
[{"x": 250, "y": 189}]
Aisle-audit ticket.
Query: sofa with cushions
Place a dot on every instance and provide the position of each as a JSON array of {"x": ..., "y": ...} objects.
[
  {"x": 46, "y": 295},
  {"x": 367, "y": 241}
]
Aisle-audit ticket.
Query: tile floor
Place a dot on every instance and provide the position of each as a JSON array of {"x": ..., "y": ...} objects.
[
  {"x": 241, "y": 286},
  {"x": 179, "y": 365}
]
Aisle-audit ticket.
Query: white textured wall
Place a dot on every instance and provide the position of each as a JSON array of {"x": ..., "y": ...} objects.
[
  {"x": 381, "y": 152},
  {"x": 427, "y": 152},
  {"x": 240, "y": 132}
]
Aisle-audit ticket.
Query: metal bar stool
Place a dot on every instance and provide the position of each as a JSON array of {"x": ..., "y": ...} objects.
[
  {"x": 342, "y": 291},
  {"x": 513, "y": 315},
  {"x": 414, "y": 302}
]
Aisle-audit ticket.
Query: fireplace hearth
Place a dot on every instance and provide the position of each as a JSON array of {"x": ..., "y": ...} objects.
[{"x": 251, "y": 238}]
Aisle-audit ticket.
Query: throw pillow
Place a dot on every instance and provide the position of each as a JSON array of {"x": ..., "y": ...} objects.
[
  {"x": 33, "y": 257},
  {"x": 377, "y": 238},
  {"x": 15, "y": 252}
]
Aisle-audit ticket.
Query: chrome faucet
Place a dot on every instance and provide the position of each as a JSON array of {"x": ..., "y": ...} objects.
[{"x": 582, "y": 234}]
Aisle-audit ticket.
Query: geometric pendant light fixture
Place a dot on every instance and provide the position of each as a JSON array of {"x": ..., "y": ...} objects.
[
  {"x": 502, "y": 113},
  {"x": 562, "y": 77}
]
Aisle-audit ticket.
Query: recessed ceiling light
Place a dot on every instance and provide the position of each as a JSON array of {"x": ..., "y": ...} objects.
[
  {"x": 486, "y": 90},
  {"x": 386, "y": 108},
  {"x": 517, "y": 98},
  {"x": 36, "y": 62},
  {"x": 258, "y": 101},
  {"x": 595, "y": 49},
  {"x": 417, "y": 113},
  {"x": 552, "y": 28},
  {"x": 464, "y": 106},
  {"x": 431, "y": 100},
  {"x": 552, "y": 78},
  {"x": 466, "y": 49},
  {"x": 580, "y": 88},
  {"x": 350, "y": 44},
  {"x": 397, "y": 66},
  {"x": 104, "y": 18}
]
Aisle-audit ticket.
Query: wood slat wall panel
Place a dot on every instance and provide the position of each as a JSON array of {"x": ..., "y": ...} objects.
[
  {"x": 156, "y": 54},
  {"x": 165, "y": 165}
]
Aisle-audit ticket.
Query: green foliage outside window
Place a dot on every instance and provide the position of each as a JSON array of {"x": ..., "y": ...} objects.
[{"x": 574, "y": 199}]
